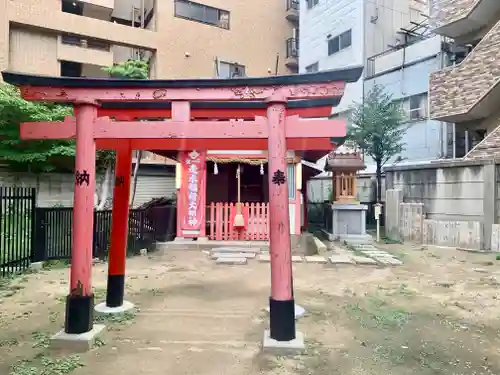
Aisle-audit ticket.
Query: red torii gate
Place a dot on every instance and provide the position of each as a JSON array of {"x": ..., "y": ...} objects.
[{"x": 274, "y": 107}]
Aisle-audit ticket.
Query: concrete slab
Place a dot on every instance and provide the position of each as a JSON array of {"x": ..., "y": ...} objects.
[
  {"x": 102, "y": 309},
  {"x": 264, "y": 258},
  {"x": 363, "y": 260},
  {"x": 36, "y": 266},
  {"x": 77, "y": 342},
  {"x": 365, "y": 246},
  {"x": 272, "y": 346},
  {"x": 389, "y": 261},
  {"x": 297, "y": 259},
  {"x": 254, "y": 250},
  {"x": 316, "y": 259},
  {"x": 375, "y": 253},
  {"x": 340, "y": 259},
  {"x": 185, "y": 244},
  {"x": 233, "y": 255},
  {"x": 233, "y": 261}
]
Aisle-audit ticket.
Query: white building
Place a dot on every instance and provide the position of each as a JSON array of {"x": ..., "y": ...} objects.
[
  {"x": 339, "y": 33},
  {"x": 404, "y": 74}
]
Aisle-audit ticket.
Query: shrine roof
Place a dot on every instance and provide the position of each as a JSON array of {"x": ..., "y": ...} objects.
[
  {"x": 341, "y": 75},
  {"x": 344, "y": 161}
]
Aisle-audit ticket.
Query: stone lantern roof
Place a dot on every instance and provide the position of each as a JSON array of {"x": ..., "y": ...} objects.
[{"x": 344, "y": 161}]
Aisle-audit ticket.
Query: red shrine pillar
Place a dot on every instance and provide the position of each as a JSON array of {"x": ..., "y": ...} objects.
[
  {"x": 119, "y": 227},
  {"x": 80, "y": 302},
  {"x": 281, "y": 303}
]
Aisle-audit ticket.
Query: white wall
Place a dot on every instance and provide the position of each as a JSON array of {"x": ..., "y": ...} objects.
[{"x": 333, "y": 17}]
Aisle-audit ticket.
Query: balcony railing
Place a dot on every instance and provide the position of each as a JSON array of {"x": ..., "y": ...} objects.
[
  {"x": 74, "y": 40},
  {"x": 292, "y": 48},
  {"x": 292, "y": 4}
]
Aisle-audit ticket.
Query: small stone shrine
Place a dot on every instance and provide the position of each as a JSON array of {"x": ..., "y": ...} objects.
[{"x": 349, "y": 216}]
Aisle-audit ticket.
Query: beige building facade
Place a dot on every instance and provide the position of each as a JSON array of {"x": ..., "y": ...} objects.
[
  {"x": 466, "y": 93},
  {"x": 182, "y": 39}
]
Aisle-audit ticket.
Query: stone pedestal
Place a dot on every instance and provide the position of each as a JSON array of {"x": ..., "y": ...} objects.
[{"x": 349, "y": 223}]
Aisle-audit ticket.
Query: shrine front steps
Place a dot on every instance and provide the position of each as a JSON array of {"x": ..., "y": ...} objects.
[{"x": 185, "y": 244}]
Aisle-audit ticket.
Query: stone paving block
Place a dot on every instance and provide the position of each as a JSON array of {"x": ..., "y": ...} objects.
[
  {"x": 340, "y": 259},
  {"x": 233, "y": 255},
  {"x": 231, "y": 261},
  {"x": 375, "y": 253},
  {"x": 365, "y": 247},
  {"x": 316, "y": 259},
  {"x": 363, "y": 260},
  {"x": 389, "y": 261},
  {"x": 297, "y": 259},
  {"x": 264, "y": 258},
  {"x": 235, "y": 250}
]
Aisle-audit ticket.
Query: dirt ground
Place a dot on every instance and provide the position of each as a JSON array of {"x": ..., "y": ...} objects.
[{"x": 436, "y": 314}]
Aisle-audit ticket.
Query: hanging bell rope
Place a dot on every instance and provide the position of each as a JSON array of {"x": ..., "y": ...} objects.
[
  {"x": 261, "y": 169},
  {"x": 216, "y": 169}
]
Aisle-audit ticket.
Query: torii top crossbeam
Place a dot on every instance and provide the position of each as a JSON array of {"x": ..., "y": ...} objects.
[{"x": 186, "y": 127}]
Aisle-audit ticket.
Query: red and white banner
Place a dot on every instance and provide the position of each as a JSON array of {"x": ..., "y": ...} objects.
[{"x": 192, "y": 193}]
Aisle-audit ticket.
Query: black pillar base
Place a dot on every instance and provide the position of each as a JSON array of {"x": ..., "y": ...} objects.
[
  {"x": 115, "y": 290},
  {"x": 282, "y": 319},
  {"x": 79, "y": 314}
]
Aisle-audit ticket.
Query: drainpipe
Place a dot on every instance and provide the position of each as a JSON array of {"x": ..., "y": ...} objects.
[{"x": 143, "y": 12}]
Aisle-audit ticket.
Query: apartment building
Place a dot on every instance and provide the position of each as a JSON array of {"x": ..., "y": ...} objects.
[
  {"x": 181, "y": 38},
  {"x": 466, "y": 93},
  {"x": 340, "y": 33}
]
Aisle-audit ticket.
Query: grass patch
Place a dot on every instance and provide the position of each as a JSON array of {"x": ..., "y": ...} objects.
[
  {"x": 41, "y": 339},
  {"x": 377, "y": 314},
  {"x": 56, "y": 264},
  {"x": 8, "y": 343},
  {"x": 116, "y": 319},
  {"x": 389, "y": 241},
  {"x": 47, "y": 366}
]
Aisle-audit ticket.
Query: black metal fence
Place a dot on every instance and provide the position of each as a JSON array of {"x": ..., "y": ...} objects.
[
  {"x": 33, "y": 234},
  {"x": 319, "y": 216},
  {"x": 17, "y": 214}
]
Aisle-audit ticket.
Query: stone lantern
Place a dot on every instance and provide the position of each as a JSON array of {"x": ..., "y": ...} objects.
[{"x": 349, "y": 216}]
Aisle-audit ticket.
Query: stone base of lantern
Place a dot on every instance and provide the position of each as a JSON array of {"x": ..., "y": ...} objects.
[{"x": 349, "y": 223}]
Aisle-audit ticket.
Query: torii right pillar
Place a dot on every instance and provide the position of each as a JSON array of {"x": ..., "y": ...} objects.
[{"x": 282, "y": 333}]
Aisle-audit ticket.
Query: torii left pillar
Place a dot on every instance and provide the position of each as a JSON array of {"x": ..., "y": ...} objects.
[
  {"x": 80, "y": 301},
  {"x": 79, "y": 331}
]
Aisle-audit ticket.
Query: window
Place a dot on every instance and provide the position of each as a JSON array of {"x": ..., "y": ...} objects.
[
  {"x": 313, "y": 68},
  {"x": 290, "y": 176},
  {"x": 417, "y": 107},
  {"x": 230, "y": 70},
  {"x": 311, "y": 3},
  {"x": 414, "y": 107},
  {"x": 202, "y": 13},
  {"x": 340, "y": 42}
]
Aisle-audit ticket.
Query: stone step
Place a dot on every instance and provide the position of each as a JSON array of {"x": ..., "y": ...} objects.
[
  {"x": 231, "y": 261},
  {"x": 233, "y": 255},
  {"x": 340, "y": 259},
  {"x": 363, "y": 260},
  {"x": 209, "y": 245},
  {"x": 235, "y": 250}
]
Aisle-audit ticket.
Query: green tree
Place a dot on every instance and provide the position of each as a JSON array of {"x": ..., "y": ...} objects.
[
  {"x": 378, "y": 127},
  {"x": 34, "y": 156},
  {"x": 130, "y": 69}
]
